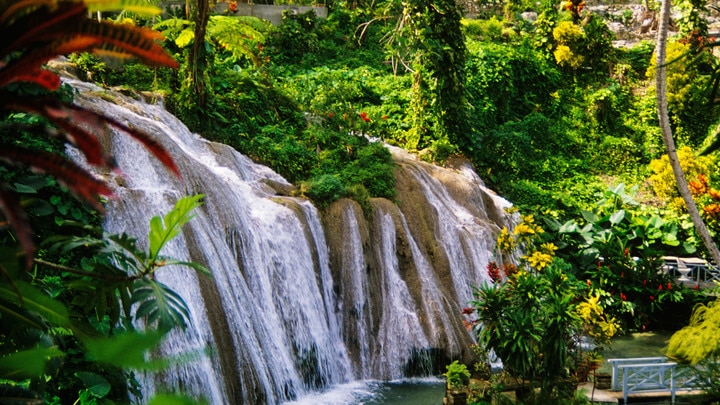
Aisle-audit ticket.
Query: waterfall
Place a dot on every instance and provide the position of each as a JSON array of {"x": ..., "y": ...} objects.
[{"x": 301, "y": 300}]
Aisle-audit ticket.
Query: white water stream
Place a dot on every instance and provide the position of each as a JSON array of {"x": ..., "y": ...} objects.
[{"x": 282, "y": 323}]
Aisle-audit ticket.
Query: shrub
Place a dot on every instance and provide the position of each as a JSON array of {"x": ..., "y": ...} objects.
[{"x": 324, "y": 189}]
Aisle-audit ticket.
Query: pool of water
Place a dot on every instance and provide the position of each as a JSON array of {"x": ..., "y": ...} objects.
[
  {"x": 648, "y": 344},
  {"x": 420, "y": 391}
]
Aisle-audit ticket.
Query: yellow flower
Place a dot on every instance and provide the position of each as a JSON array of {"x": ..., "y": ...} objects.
[
  {"x": 539, "y": 260},
  {"x": 548, "y": 248},
  {"x": 506, "y": 242},
  {"x": 524, "y": 229}
]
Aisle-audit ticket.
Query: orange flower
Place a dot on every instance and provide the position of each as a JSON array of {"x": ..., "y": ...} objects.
[
  {"x": 712, "y": 210},
  {"x": 233, "y": 6},
  {"x": 714, "y": 194},
  {"x": 699, "y": 186}
]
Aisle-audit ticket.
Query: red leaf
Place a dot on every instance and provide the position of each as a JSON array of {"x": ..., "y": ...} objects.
[
  {"x": 10, "y": 205},
  {"x": 43, "y": 26},
  {"x": 45, "y": 78},
  {"x": 33, "y": 60},
  {"x": 81, "y": 183},
  {"x": 151, "y": 144},
  {"x": 137, "y": 41}
]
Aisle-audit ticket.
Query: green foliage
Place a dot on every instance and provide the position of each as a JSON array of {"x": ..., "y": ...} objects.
[
  {"x": 457, "y": 375},
  {"x": 491, "y": 29},
  {"x": 325, "y": 189},
  {"x": 84, "y": 314},
  {"x": 531, "y": 325},
  {"x": 616, "y": 248},
  {"x": 696, "y": 345},
  {"x": 688, "y": 90}
]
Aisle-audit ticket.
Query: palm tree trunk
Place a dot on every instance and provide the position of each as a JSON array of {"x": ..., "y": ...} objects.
[{"x": 660, "y": 80}]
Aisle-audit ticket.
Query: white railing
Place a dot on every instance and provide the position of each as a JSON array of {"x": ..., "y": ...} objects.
[{"x": 649, "y": 374}]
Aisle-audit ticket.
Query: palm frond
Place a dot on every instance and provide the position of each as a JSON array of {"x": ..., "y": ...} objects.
[{"x": 136, "y": 41}]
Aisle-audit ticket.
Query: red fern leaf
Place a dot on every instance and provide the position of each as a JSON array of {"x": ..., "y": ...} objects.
[
  {"x": 137, "y": 41},
  {"x": 43, "y": 26},
  {"x": 70, "y": 122},
  {"x": 45, "y": 78},
  {"x": 151, "y": 144},
  {"x": 33, "y": 60},
  {"x": 81, "y": 183},
  {"x": 16, "y": 218}
]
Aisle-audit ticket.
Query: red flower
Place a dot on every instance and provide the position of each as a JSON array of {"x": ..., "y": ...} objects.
[
  {"x": 644, "y": 282},
  {"x": 669, "y": 287},
  {"x": 660, "y": 287},
  {"x": 384, "y": 117},
  {"x": 622, "y": 275},
  {"x": 494, "y": 272},
  {"x": 330, "y": 115},
  {"x": 652, "y": 298},
  {"x": 627, "y": 251},
  {"x": 468, "y": 310},
  {"x": 697, "y": 286},
  {"x": 588, "y": 282},
  {"x": 623, "y": 297},
  {"x": 364, "y": 116}
]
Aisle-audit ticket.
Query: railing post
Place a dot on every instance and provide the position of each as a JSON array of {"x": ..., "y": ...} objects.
[{"x": 625, "y": 386}]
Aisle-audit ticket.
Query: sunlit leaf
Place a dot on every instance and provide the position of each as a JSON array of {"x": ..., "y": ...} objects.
[
  {"x": 126, "y": 351},
  {"x": 140, "y": 7},
  {"x": 32, "y": 299},
  {"x": 617, "y": 217},
  {"x": 27, "y": 363},
  {"x": 166, "y": 228},
  {"x": 96, "y": 384}
]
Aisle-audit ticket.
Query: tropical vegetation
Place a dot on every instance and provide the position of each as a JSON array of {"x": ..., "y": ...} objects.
[{"x": 550, "y": 113}]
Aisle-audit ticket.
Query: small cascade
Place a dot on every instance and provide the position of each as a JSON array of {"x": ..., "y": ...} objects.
[{"x": 301, "y": 301}]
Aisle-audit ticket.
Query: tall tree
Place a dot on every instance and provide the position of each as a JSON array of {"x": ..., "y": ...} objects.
[
  {"x": 197, "y": 60},
  {"x": 660, "y": 81}
]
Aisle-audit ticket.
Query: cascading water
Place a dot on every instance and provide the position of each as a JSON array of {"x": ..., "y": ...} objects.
[{"x": 299, "y": 302}]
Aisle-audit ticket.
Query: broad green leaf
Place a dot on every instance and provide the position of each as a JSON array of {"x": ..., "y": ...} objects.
[
  {"x": 589, "y": 216},
  {"x": 195, "y": 266},
  {"x": 617, "y": 217},
  {"x": 32, "y": 299},
  {"x": 96, "y": 384},
  {"x": 125, "y": 351},
  {"x": 164, "y": 229},
  {"x": 159, "y": 304},
  {"x": 27, "y": 363}
]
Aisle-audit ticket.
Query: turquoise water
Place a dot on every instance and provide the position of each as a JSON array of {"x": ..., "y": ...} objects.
[{"x": 421, "y": 391}]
